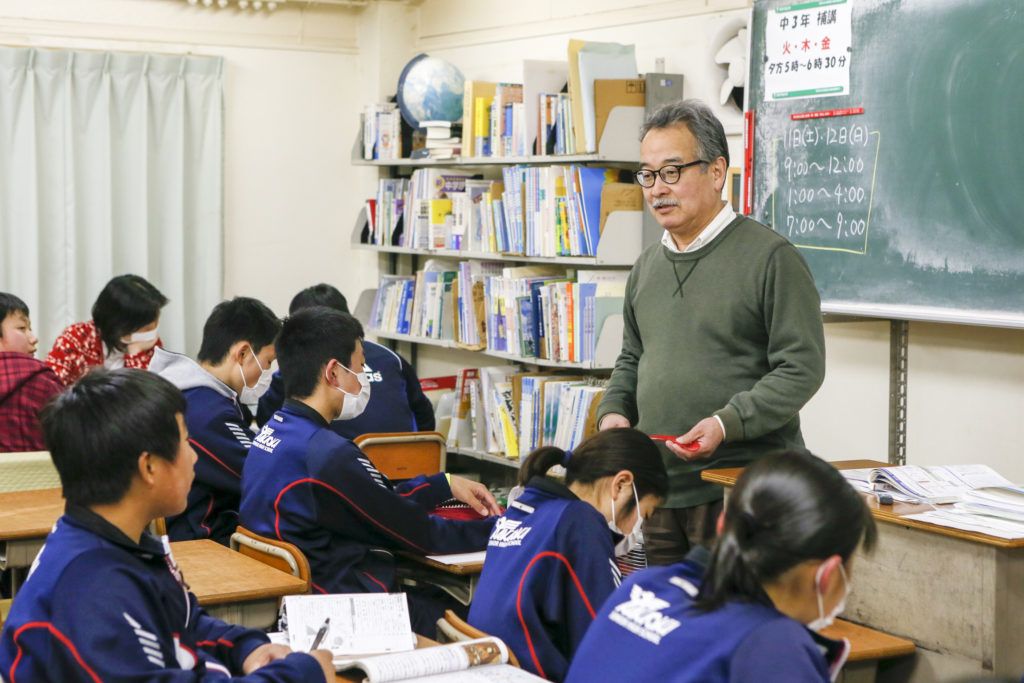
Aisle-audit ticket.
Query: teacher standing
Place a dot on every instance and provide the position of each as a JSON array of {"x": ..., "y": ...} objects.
[{"x": 723, "y": 341}]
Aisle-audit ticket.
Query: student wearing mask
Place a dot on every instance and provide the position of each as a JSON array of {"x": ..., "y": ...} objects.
[
  {"x": 121, "y": 334},
  {"x": 551, "y": 557},
  {"x": 304, "y": 484},
  {"x": 25, "y": 383},
  {"x": 397, "y": 403},
  {"x": 105, "y": 600},
  {"x": 779, "y": 572},
  {"x": 233, "y": 368}
]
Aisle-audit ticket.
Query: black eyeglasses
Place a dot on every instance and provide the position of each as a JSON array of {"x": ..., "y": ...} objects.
[{"x": 668, "y": 173}]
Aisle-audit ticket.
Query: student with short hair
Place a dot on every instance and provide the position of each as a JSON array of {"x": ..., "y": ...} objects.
[
  {"x": 551, "y": 557},
  {"x": 233, "y": 368},
  {"x": 304, "y": 484},
  {"x": 105, "y": 600},
  {"x": 25, "y": 382},
  {"x": 397, "y": 402},
  {"x": 122, "y": 332},
  {"x": 779, "y": 572}
]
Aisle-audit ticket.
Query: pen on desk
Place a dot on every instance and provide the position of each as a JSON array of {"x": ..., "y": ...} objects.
[{"x": 320, "y": 634}]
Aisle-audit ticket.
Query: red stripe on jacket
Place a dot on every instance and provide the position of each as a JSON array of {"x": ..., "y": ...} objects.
[
  {"x": 59, "y": 636},
  {"x": 277, "y": 511},
  {"x": 519, "y": 600}
]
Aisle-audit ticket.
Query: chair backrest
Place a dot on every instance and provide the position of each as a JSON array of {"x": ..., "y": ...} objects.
[
  {"x": 278, "y": 554},
  {"x": 404, "y": 455},
  {"x": 452, "y": 628},
  {"x": 27, "y": 471}
]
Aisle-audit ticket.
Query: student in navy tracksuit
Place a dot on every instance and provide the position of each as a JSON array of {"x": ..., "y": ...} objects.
[
  {"x": 233, "y": 368},
  {"x": 551, "y": 557},
  {"x": 397, "y": 403},
  {"x": 104, "y": 600},
  {"x": 304, "y": 484},
  {"x": 778, "y": 572}
]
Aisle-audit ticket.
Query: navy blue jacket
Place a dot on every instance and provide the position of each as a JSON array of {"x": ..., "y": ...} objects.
[
  {"x": 648, "y": 631},
  {"x": 220, "y": 437},
  {"x": 397, "y": 403},
  {"x": 550, "y": 566},
  {"x": 304, "y": 484},
  {"x": 99, "y": 607}
]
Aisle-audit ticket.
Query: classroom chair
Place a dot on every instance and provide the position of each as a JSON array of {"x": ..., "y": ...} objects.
[
  {"x": 451, "y": 629},
  {"x": 404, "y": 455},
  {"x": 29, "y": 471},
  {"x": 278, "y": 554}
]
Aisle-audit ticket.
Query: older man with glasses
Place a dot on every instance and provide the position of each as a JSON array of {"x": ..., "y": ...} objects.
[{"x": 723, "y": 341}]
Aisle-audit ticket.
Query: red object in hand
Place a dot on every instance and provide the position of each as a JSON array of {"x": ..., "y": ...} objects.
[{"x": 689, "y": 447}]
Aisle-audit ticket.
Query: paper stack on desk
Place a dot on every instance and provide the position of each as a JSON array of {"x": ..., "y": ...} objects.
[
  {"x": 361, "y": 623},
  {"x": 932, "y": 484}
]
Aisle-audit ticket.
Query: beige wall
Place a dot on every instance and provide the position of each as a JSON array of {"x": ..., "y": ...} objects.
[{"x": 296, "y": 80}]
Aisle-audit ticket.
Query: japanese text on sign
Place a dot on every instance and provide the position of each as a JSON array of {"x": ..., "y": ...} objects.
[{"x": 807, "y": 50}]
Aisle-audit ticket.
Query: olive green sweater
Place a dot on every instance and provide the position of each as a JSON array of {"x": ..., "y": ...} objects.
[{"x": 732, "y": 329}]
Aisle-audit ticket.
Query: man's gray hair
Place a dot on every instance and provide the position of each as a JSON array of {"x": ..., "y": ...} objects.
[{"x": 701, "y": 122}]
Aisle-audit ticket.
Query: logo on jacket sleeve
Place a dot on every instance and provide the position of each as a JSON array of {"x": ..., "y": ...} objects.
[
  {"x": 508, "y": 532},
  {"x": 641, "y": 615},
  {"x": 266, "y": 439},
  {"x": 149, "y": 643}
]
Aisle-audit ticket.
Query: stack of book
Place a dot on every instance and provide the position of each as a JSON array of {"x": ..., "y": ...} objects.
[{"x": 440, "y": 143}]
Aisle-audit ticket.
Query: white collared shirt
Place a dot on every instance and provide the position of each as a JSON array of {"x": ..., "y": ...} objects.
[{"x": 717, "y": 225}]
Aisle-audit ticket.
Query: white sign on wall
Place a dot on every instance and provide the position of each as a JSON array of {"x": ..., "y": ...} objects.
[{"x": 807, "y": 50}]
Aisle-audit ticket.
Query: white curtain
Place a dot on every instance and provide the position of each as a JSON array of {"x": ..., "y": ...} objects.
[{"x": 111, "y": 163}]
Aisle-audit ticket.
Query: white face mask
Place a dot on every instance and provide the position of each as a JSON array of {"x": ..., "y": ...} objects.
[
  {"x": 140, "y": 341},
  {"x": 823, "y": 620},
  {"x": 635, "y": 537},
  {"x": 354, "y": 404},
  {"x": 251, "y": 395}
]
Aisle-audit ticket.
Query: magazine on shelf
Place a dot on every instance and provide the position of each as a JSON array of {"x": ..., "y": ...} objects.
[
  {"x": 933, "y": 484},
  {"x": 482, "y": 659}
]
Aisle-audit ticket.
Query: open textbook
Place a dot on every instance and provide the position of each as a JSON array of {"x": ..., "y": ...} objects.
[
  {"x": 360, "y": 623},
  {"x": 932, "y": 484},
  {"x": 469, "y": 661}
]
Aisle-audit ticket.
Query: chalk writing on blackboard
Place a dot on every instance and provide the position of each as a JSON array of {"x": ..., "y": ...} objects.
[{"x": 825, "y": 180}]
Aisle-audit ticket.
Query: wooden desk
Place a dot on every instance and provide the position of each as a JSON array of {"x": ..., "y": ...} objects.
[
  {"x": 232, "y": 586},
  {"x": 458, "y": 580},
  {"x": 867, "y": 647},
  {"x": 959, "y": 595},
  {"x": 26, "y": 518}
]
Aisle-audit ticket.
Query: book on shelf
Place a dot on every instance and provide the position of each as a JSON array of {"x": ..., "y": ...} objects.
[
  {"x": 426, "y": 184},
  {"x": 476, "y": 103},
  {"x": 382, "y": 131},
  {"x": 360, "y": 623},
  {"x": 479, "y": 660},
  {"x": 460, "y": 430},
  {"x": 934, "y": 484},
  {"x": 540, "y": 78}
]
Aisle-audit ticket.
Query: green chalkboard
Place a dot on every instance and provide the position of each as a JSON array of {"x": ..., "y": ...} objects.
[{"x": 914, "y": 208}]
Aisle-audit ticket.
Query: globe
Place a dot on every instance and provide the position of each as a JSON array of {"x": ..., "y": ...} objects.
[{"x": 430, "y": 89}]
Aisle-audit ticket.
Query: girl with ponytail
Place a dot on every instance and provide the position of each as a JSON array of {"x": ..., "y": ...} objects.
[
  {"x": 778, "y": 572},
  {"x": 551, "y": 557}
]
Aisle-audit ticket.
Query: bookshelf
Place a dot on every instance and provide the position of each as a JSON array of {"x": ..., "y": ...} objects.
[{"x": 624, "y": 236}]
